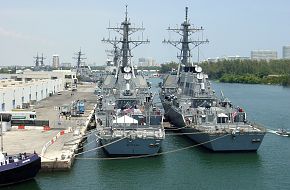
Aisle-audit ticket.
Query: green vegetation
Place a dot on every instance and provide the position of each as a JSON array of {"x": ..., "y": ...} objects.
[
  {"x": 165, "y": 68},
  {"x": 98, "y": 67},
  {"x": 249, "y": 71},
  {"x": 8, "y": 70},
  {"x": 149, "y": 68}
]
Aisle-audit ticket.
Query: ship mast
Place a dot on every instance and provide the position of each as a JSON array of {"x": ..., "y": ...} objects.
[
  {"x": 79, "y": 59},
  {"x": 125, "y": 31},
  {"x": 115, "y": 53},
  {"x": 36, "y": 60},
  {"x": 185, "y": 32},
  {"x": 39, "y": 60}
]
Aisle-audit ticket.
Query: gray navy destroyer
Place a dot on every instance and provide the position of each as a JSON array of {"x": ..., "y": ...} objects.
[
  {"x": 192, "y": 106},
  {"x": 128, "y": 123}
]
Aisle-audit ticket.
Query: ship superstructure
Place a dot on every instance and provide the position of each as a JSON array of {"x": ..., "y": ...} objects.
[
  {"x": 83, "y": 71},
  {"x": 128, "y": 123},
  {"x": 191, "y": 105}
]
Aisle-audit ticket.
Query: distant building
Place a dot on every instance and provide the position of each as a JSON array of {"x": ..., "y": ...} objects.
[
  {"x": 286, "y": 52},
  {"x": 67, "y": 65},
  {"x": 147, "y": 62},
  {"x": 229, "y": 58},
  {"x": 263, "y": 55},
  {"x": 55, "y": 81},
  {"x": 237, "y": 57},
  {"x": 142, "y": 61},
  {"x": 15, "y": 93},
  {"x": 55, "y": 61}
]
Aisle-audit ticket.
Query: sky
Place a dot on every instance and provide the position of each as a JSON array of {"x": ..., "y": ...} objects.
[{"x": 64, "y": 26}]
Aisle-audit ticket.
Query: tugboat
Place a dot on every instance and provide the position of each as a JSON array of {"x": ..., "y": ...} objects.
[
  {"x": 16, "y": 168},
  {"x": 192, "y": 106},
  {"x": 128, "y": 122}
]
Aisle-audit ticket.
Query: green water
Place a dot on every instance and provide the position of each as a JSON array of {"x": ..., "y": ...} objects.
[{"x": 194, "y": 168}]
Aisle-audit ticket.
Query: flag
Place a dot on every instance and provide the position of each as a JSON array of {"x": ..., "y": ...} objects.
[
  {"x": 234, "y": 114},
  {"x": 128, "y": 110}
]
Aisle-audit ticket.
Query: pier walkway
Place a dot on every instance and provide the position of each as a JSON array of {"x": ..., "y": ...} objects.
[{"x": 56, "y": 145}]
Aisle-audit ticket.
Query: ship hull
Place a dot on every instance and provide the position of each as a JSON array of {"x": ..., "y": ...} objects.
[
  {"x": 166, "y": 108},
  {"x": 228, "y": 143},
  {"x": 20, "y": 171},
  {"x": 127, "y": 146},
  {"x": 173, "y": 116}
]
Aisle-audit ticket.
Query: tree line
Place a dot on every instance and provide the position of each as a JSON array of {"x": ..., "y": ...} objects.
[
  {"x": 249, "y": 71},
  {"x": 167, "y": 67}
]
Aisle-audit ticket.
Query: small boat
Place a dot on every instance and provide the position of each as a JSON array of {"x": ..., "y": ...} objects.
[
  {"x": 16, "y": 168},
  {"x": 283, "y": 132}
]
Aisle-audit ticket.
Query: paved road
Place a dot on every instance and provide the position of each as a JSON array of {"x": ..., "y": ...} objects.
[{"x": 17, "y": 141}]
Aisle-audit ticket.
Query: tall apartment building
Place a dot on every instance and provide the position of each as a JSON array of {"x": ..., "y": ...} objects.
[
  {"x": 286, "y": 52},
  {"x": 55, "y": 61},
  {"x": 147, "y": 62}
]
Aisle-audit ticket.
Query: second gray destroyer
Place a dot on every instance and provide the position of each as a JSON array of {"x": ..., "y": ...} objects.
[
  {"x": 192, "y": 106},
  {"x": 128, "y": 123}
]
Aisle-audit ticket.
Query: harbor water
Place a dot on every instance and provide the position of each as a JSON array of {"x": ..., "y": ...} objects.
[{"x": 192, "y": 168}]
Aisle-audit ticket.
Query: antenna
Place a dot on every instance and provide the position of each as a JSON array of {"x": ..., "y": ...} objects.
[
  {"x": 186, "y": 11},
  {"x": 125, "y": 31},
  {"x": 185, "y": 32},
  {"x": 41, "y": 60},
  {"x": 36, "y": 60},
  {"x": 126, "y": 13},
  {"x": 115, "y": 53},
  {"x": 79, "y": 59}
]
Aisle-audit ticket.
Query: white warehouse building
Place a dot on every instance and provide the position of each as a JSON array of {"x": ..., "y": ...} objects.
[
  {"x": 18, "y": 90},
  {"x": 68, "y": 77},
  {"x": 14, "y": 94}
]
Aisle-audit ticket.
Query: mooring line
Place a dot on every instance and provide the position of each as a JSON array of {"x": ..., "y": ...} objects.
[{"x": 151, "y": 155}]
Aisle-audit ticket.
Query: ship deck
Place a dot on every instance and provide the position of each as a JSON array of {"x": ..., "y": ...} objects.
[{"x": 229, "y": 128}]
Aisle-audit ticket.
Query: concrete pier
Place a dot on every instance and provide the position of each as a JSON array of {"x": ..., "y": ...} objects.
[{"x": 57, "y": 144}]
